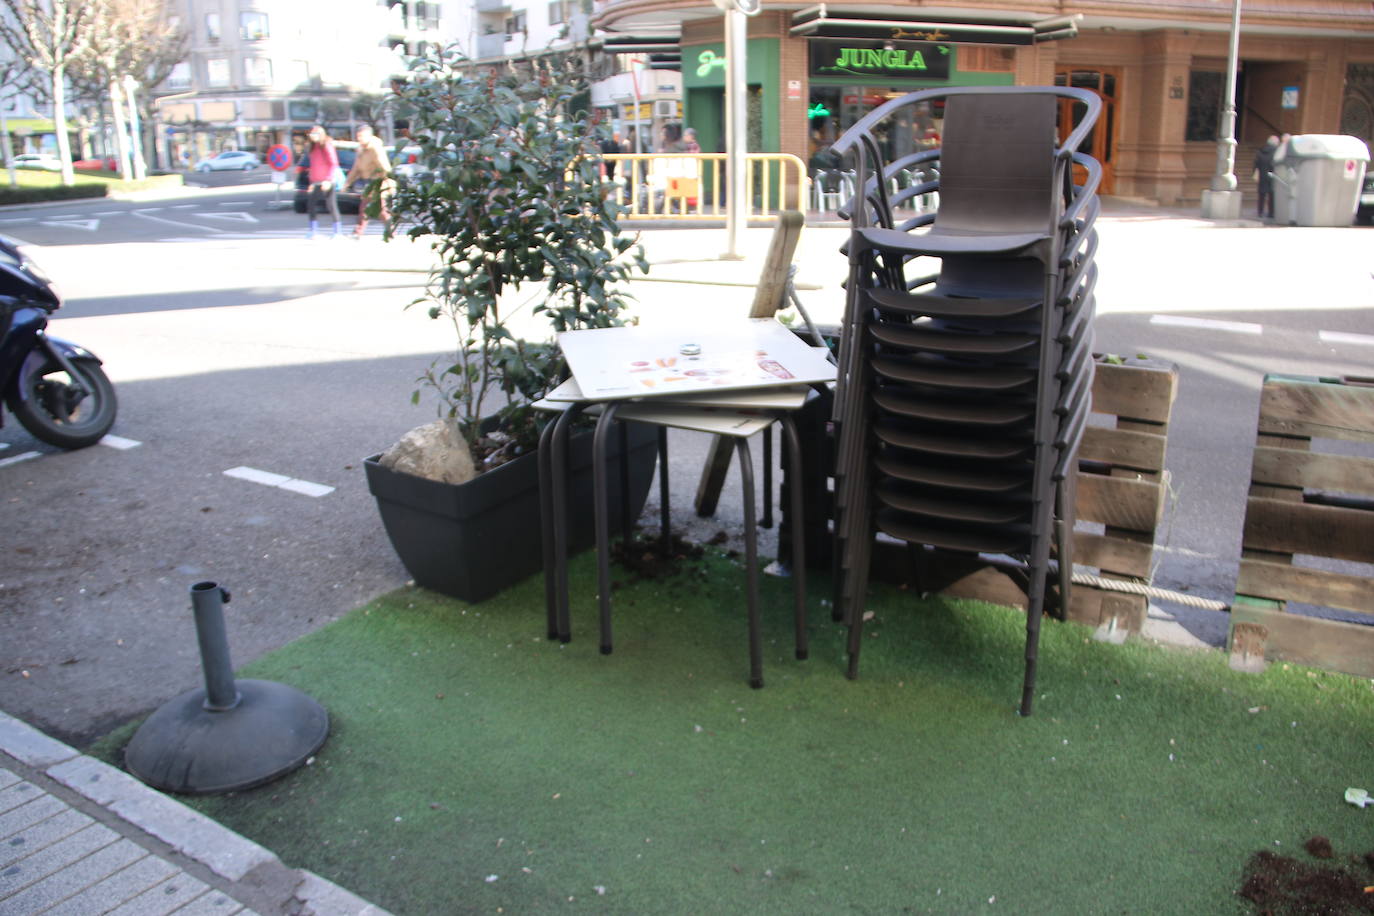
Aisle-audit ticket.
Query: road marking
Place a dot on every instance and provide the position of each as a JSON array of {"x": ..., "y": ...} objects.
[
  {"x": 14, "y": 219},
  {"x": 185, "y": 206},
  {"x": 25, "y": 456},
  {"x": 89, "y": 225},
  {"x": 143, "y": 214},
  {"x": 110, "y": 213},
  {"x": 1211, "y": 324},
  {"x": 280, "y": 481},
  {"x": 120, "y": 442},
  {"x": 1342, "y": 337},
  {"x": 233, "y": 217}
]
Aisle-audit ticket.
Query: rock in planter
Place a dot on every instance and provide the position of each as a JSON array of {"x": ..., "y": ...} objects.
[{"x": 436, "y": 451}]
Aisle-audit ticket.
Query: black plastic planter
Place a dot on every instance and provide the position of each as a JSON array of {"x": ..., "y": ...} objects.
[{"x": 472, "y": 540}]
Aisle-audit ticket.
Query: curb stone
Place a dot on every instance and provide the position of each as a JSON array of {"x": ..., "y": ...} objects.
[{"x": 216, "y": 847}]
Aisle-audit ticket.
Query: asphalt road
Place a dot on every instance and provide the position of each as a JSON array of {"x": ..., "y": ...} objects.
[{"x": 236, "y": 343}]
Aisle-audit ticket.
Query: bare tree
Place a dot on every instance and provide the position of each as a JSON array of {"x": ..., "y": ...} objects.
[{"x": 50, "y": 35}]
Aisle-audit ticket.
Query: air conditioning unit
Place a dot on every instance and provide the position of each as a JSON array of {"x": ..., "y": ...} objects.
[{"x": 665, "y": 108}]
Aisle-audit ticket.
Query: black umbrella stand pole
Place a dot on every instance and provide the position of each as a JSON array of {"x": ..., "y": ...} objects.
[{"x": 231, "y": 734}]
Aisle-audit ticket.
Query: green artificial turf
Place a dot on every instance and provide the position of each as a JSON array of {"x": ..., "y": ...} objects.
[{"x": 475, "y": 766}]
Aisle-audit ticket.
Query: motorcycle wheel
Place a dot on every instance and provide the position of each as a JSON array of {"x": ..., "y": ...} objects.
[{"x": 53, "y": 411}]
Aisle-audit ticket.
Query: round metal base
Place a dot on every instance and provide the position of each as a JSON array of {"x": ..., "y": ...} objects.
[{"x": 184, "y": 747}]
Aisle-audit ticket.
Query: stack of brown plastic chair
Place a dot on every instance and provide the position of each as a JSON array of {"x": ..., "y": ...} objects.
[{"x": 963, "y": 393}]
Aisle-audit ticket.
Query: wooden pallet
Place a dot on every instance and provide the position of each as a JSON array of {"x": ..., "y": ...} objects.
[
  {"x": 1122, "y": 485},
  {"x": 1305, "y": 502}
]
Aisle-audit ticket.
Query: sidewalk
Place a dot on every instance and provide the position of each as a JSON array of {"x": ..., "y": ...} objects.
[{"x": 80, "y": 837}]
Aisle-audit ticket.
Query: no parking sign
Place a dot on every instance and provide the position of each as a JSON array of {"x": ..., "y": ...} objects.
[{"x": 279, "y": 157}]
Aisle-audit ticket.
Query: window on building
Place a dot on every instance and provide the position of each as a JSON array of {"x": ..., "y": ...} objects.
[
  {"x": 420, "y": 20},
  {"x": 515, "y": 23},
  {"x": 432, "y": 15},
  {"x": 1204, "y": 104},
  {"x": 217, "y": 71},
  {"x": 212, "y": 26},
  {"x": 253, "y": 26},
  {"x": 558, "y": 12},
  {"x": 257, "y": 71},
  {"x": 180, "y": 77},
  {"x": 298, "y": 72}
]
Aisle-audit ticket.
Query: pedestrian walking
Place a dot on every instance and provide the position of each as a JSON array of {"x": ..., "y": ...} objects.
[
  {"x": 611, "y": 144},
  {"x": 370, "y": 177},
  {"x": 689, "y": 140},
  {"x": 323, "y": 177},
  {"x": 1264, "y": 179}
]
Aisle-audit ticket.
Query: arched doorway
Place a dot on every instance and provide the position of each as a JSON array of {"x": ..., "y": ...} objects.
[{"x": 1101, "y": 142}]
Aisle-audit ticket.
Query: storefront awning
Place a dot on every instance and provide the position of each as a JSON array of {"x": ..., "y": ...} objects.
[
  {"x": 33, "y": 126},
  {"x": 818, "y": 22}
]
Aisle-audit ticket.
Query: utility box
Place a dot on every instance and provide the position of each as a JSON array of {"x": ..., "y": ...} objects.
[{"x": 1317, "y": 179}]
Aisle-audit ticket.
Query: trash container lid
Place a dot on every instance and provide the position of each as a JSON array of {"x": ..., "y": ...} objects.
[{"x": 1324, "y": 146}]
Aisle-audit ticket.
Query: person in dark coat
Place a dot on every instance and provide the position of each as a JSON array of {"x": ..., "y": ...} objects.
[{"x": 1264, "y": 180}]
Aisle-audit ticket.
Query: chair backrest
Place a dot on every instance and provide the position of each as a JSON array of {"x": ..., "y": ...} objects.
[{"x": 997, "y": 159}]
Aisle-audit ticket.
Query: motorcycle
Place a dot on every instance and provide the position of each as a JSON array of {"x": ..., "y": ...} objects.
[{"x": 56, "y": 389}]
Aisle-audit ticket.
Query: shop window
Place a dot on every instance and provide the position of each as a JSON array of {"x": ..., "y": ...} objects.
[
  {"x": 986, "y": 59},
  {"x": 303, "y": 110},
  {"x": 180, "y": 77},
  {"x": 212, "y": 26},
  {"x": 217, "y": 71},
  {"x": 253, "y": 26},
  {"x": 1204, "y": 104},
  {"x": 257, "y": 71}
]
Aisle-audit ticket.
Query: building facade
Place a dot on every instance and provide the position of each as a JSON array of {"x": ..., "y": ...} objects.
[
  {"x": 261, "y": 72},
  {"x": 1159, "y": 68}
]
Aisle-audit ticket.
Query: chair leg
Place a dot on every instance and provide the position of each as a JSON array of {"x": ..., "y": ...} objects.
[
  {"x": 601, "y": 509},
  {"x": 627, "y": 520},
  {"x": 793, "y": 457},
  {"x": 751, "y": 565}
]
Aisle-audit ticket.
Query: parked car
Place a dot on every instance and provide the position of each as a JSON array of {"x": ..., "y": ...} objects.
[
  {"x": 406, "y": 164},
  {"x": 1364, "y": 213},
  {"x": 229, "y": 160},
  {"x": 41, "y": 161},
  {"x": 348, "y": 201},
  {"x": 95, "y": 165}
]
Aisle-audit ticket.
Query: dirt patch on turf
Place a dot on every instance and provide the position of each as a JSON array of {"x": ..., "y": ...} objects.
[
  {"x": 1282, "y": 885},
  {"x": 645, "y": 557}
]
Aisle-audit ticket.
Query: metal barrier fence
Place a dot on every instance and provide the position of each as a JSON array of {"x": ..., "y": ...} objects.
[{"x": 692, "y": 185}]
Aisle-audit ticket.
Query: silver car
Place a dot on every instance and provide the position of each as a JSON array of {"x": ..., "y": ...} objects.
[
  {"x": 230, "y": 160},
  {"x": 38, "y": 161}
]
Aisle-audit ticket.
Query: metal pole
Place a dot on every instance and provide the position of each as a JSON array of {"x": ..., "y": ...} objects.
[
  {"x": 207, "y": 599},
  {"x": 1222, "y": 199},
  {"x": 736, "y": 128}
]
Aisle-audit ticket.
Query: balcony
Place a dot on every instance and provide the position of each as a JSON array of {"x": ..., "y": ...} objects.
[
  {"x": 492, "y": 6},
  {"x": 493, "y": 45}
]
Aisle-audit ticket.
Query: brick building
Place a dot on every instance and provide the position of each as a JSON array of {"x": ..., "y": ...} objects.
[{"x": 1306, "y": 66}]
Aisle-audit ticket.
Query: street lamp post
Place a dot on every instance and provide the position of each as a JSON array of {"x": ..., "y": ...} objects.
[
  {"x": 1222, "y": 199},
  {"x": 736, "y": 118}
]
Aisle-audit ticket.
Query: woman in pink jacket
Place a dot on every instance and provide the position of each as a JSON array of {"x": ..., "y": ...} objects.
[{"x": 324, "y": 164}]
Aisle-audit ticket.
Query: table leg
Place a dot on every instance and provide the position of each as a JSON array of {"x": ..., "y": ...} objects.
[
  {"x": 664, "y": 509},
  {"x": 751, "y": 565},
  {"x": 558, "y": 465},
  {"x": 601, "y": 510},
  {"x": 546, "y": 525},
  {"x": 767, "y": 478},
  {"x": 793, "y": 457}
]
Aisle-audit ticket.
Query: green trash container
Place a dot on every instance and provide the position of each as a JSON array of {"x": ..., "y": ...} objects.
[{"x": 1317, "y": 179}]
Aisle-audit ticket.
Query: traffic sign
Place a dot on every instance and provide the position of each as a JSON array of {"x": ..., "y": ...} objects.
[{"x": 279, "y": 157}]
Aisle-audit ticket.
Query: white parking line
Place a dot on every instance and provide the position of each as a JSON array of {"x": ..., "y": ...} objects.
[
  {"x": 1365, "y": 340},
  {"x": 24, "y": 456},
  {"x": 120, "y": 442},
  {"x": 1210, "y": 324},
  {"x": 280, "y": 481}
]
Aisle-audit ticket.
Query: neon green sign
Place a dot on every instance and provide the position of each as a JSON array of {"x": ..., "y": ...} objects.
[
  {"x": 708, "y": 61},
  {"x": 818, "y": 110},
  {"x": 879, "y": 59}
]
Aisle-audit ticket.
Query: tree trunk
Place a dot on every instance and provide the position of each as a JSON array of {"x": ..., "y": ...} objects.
[
  {"x": 59, "y": 123},
  {"x": 126, "y": 171}
]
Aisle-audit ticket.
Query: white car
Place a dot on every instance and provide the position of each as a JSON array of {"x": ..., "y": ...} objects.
[
  {"x": 38, "y": 161},
  {"x": 229, "y": 160}
]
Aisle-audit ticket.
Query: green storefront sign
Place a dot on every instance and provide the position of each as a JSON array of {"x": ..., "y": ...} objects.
[{"x": 902, "y": 60}]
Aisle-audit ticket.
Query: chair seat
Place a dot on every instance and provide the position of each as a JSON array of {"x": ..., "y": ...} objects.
[
  {"x": 978, "y": 480},
  {"x": 932, "y": 503},
  {"x": 934, "y": 305},
  {"x": 937, "y": 243},
  {"x": 952, "y": 537},
  {"x": 951, "y": 375},
  {"x": 928, "y": 339},
  {"x": 999, "y": 448},
  {"x": 997, "y": 413}
]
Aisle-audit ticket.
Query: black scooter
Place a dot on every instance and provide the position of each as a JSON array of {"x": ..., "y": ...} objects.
[{"x": 56, "y": 389}]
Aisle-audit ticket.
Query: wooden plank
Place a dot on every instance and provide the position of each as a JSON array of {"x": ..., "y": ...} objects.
[
  {"x": 1096, "y": 607},
  {"x": 1330, "y": 644},
  {"x": 1307, "y": 586},
  {"x": 1140, "y": 391},
  {"x": 1120, "y": 502},
  {"x": 1322, "y": 531},
  {"x": 772, "y": 288},
  {"x": 1317, "y": 408},
  {"x": 1126, "y": 558},
  {"x": 1284, "y": 467},
  {"x": 1123, "y": 448}
]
